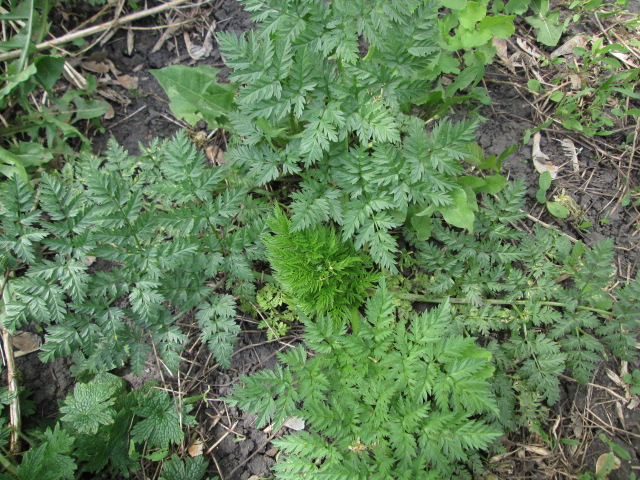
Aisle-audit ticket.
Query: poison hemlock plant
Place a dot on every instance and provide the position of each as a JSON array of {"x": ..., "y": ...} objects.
[
  {"x": 317, "y": 270},
  {"x": 401, "y": 398},
  {"x": 322, "y": 115},
  {"x": 105, "y": 429},
  {"x": 167, "y": 235},
  {"x": 547, "y": 304}
]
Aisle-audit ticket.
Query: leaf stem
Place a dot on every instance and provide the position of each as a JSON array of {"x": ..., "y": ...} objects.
[{"x": 416, "y": 297}]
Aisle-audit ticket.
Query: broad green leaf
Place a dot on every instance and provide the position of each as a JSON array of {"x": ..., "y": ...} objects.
[
  {"x": 494, "y": 184},
  {"x": 548, "y": 28},
  {"x": 195, "y": 93},
  {"x": 557, "y": 210},
  {"x": 49, "y": 70},
  {"x": 459, "y": 214},
  {"x": 517, "y": 7},
  {"x": 472, "y": 182},
  {"x": 454, "y": 4},
  {"x": 90, "y": 405},
  {"x": 88, "y": 109},
  {"x": 32, "y": 154},
  {"x": 11, "y": 165},
  {"x": 500, "y": 26},
  {"x": 472, "y": 14},
  {"x": 423, "y": 226}
]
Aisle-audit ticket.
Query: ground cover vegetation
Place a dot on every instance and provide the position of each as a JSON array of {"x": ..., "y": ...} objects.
[{"x": 345, "y": 199}]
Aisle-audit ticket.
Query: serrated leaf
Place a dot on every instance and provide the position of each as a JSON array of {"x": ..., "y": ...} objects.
[
  {"x": 195, "y": 94},
  {"x": 90, "y": 405},
  {"x": 161, "y": 424}
]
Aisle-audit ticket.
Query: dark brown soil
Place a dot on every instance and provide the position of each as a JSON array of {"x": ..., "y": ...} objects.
[{"x": 234, "y": 448}]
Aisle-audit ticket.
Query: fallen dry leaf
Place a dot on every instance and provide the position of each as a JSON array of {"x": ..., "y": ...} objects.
[
  {"x": 541, "y": 451},
  {"x": 95, "y": 67},
  {"x": 130, "y": 41},
  {"x": 571, "y": 152},
  {"x": 576, "y": 81},
  {"x": 114, "y": 96},
  {"x": 25, "y": 342},
  {"x": 198, "y": 52},
  {"x": 196, "y": 448},
  {"x": 533, "y": 52},
  {"x": 500, "y": 45},
  {"x": 215, "y": 155},
  {"x": 541, "y": 160},
  {"x": 615, "y": 378},
  {"x": 110, "y": 112},
  {"x": 567, "y": 47},
  {"x": 294, "y": 423},
  {"x": 128, "y": 82}
]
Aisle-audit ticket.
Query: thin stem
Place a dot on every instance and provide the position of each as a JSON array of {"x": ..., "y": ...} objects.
[
  {"x": 10, "y": 467},
  {"x": 95, "y": 29},
  {"x": 25, "y": 51},
  {"x": 15, "y": 420},
  {"x": 415, "y": 297}
]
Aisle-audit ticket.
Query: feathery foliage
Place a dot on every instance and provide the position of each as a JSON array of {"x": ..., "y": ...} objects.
[
  {"x": 325, "y": 96},
  {"x": 547, "y": 304},
  {"x": 401, "y": 398},
  {"x": 114, "y": 250},
  {"x": 317, "y": 271}
]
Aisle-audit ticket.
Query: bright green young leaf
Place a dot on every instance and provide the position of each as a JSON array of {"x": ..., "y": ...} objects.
[
  {"x": 548, "y": 27},
  {"x": 195, "y": 93},
  {"x": 557, "y": 210},
  {"x": 11, "y": 165},
  {"x": 454, "y": 4},
  {"x": 517, "y": 7},
  {"x": 544, "y": 182},
  {"x": 459, "y": 214},
  {"x": 534, "y": 85},
  {"x": 472, "y": 14},
  {"x": 500, "y": 26},
  {"x": 493, "y": 184}
]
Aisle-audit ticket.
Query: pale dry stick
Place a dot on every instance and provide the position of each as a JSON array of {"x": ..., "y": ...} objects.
[
  {"x": 217, "y": 466},
  {"x": 127, "y": 117},
  {"x": 15, "y": 419},
  {"x": 604, "y": 426},
  {"x": 95, "y": 29},
  {"x": 631, "y": 50},
  {"x": 228, "y": 432}
]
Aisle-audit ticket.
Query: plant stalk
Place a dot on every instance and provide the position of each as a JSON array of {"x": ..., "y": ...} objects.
[
  {"x": 15, "y": 420},
  {"x": 95, "y": 29},
  {"x": 416, "y": 297}
]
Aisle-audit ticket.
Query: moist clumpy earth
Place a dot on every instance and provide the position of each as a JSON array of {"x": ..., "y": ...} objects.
[{"x": 234, "y": 448}]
